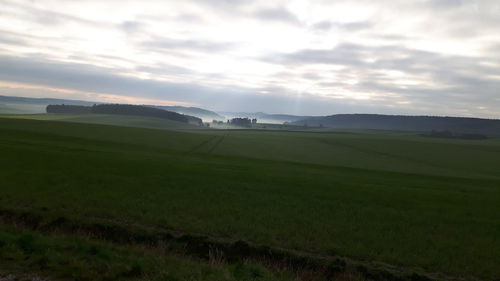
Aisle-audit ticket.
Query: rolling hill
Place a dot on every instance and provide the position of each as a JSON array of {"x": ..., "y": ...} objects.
[
  {"x": 204, "y": 114},
  {"x": 404, "y": 123},
  {"x": 123, "y": 109},
  {"x": 23, "y": 105},
  {"x": 113, "y": 119}
]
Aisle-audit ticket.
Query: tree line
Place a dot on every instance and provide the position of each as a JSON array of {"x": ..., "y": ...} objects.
[
  {"x": 242, "y": 122},
  {"x": 452, "y": 135},
  {"x": 406, "y": 123},
  {"x": 123, "y": 109}
]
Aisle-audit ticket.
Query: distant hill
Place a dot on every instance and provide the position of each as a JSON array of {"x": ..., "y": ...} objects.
[
  {"x": 114, "y": 120},
  {"x": 193, "y": 111},
  {"x": 405, "y": 123},
  {"x": 123, "y": 109},
  {"x": 43, "y": 101},
  {"x": 264, "y": 117},
  {"x": 22, "y": 105}
]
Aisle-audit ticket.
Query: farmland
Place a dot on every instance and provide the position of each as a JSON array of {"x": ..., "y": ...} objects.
[{"x": 432, "y": 205}]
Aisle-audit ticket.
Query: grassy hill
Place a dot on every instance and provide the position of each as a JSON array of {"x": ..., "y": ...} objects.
[
  {"x": 388, "y": 152},
  {"x": 350, "y": 199},
  {"x": 109, "y": 119},
  {"x": 24, "y": 105},
  {"x": 204, "y": 114},
  {"x": 405, "y": 123}
]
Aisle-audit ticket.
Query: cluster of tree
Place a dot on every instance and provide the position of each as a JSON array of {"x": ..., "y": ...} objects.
[
  {"x": 123, "y": 109},
  {"x": 193, "y": 111},
  {"x": 72, "y": 109},
  {"x": 217, "y": 122},
  {"x": 242, "y": 122},
  {"x": 264, "y": 117},
  {"x": 451, "y": 135}
]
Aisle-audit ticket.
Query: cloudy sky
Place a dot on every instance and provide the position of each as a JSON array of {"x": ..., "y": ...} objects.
[{"x": 432, "y": 57}]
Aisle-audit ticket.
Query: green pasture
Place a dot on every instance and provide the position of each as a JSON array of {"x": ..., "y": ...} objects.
[
  {"x": 108, "y": 119},
  {"x": 395, "y": 198}
]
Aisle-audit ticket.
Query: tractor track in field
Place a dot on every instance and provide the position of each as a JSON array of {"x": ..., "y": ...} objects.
[
  {"x": 200, "y": 145},
  {"x": 217, "y": 143},
  {"x": 203, "y": 247},
  {"x": 217, "y": 140}
]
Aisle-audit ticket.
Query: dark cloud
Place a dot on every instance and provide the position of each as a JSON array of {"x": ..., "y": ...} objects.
[
  {"x": 99, "y": 80},
  {"x": 47, "y": 16},
  {"x": 452, "y": 81},
  {"x": 223, "y": 3},
  {"x": 189, "y": 17},
  {"x": 311, "y": 76},
  {"x": 323, "y": 25},
  {"x": 392, "y": 37},
  {"x": 354, "y": 26},
  {"x": 10, "y": 40},
  {"x": 349, "y": 26},
  {"x": 16, "y": 38},
  {"x": 276, "y": 14},
  {"x": 344, "y": 54},
  {"x": 164, "y": 69},
  {"x": 89, "y": 78},
  {"x": 446, "y": 3},
  {"x": 131, "y": 26},
  {"x": 464, "y": 19},
  {"x": 390, "y": 57},
  {"x": 197, "y": 45},
  {"x": 493, "y": 49}
]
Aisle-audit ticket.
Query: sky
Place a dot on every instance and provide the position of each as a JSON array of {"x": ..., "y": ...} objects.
[{"x": 314, "y": 57}]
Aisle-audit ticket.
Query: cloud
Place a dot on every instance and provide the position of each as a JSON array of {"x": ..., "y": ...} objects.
[
  {"x": 197, "y": 45},
  {"x": 276, "y": 14},
  {"x": 86, "y": 78},
  {"x": 131, "y": 26},
  {"x": 47, "y": 16},
  {"x": 323, "y": 25},
  {"x": 93, "y": 79},
  {"x": 446, "y": 3},
  {"x": 11, "y": 40},
  {"x": 164, "y": 69},
  {"x": 390, "y": 57},
  {"x": 431, "y": 56},
  {"x": 223, "y": 3},
  {"x": 439, "y": 80},
  {"x": 349, "y": 26},
  {"x": 344, "y": 54}
]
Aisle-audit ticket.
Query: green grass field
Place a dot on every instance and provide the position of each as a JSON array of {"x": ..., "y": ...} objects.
[
  {"x": 107, "y": 119},
  {"x": 409, "y": 201}
]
